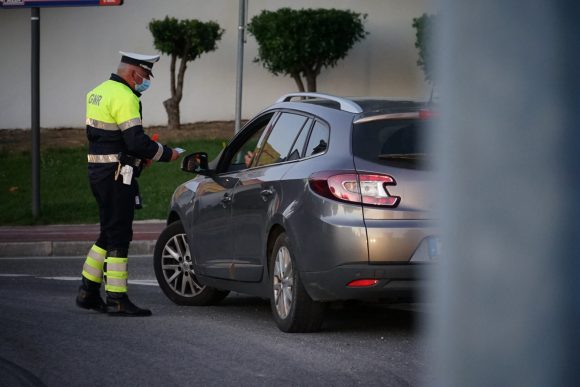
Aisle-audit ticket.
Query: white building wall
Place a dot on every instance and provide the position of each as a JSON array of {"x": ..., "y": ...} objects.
[{"x": 79, "y": 49}]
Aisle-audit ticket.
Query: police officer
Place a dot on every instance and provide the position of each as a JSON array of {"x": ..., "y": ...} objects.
[{"x": 118, "y": 150}]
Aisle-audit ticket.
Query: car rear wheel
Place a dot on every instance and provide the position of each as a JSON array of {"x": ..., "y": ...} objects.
[
  {"x": 173, "y": 266},
  {"x": 292, "y": 307}
]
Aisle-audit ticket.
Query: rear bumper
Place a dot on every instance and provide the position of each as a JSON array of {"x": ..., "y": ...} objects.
[{"x": 397, "y": 282}]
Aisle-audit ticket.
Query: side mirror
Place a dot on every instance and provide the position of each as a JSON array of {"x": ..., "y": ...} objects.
[{"x": 196, "y": 163}]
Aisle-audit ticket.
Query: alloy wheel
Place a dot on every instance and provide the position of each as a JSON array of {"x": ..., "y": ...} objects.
[
  {"x": 177, "y": 267},
  {"x": 283, "y": 282}
]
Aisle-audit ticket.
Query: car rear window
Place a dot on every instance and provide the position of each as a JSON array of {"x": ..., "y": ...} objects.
[{"x": 399, "y": 142}]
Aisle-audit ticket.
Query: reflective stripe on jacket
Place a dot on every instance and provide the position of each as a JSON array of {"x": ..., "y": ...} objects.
[{"x": 113, "y": 122}]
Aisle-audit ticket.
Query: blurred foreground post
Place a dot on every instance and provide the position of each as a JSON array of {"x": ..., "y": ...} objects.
[
  {"x": 35, "y": 108},
  {"x": 508, "y": 293},
  {"x": 240, "y": 63}
]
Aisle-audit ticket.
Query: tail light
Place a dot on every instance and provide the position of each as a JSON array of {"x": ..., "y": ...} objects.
[
  {"x": 355, "y": 188},
  {"x": 427, "y": 114},
  {"x": 362, "y": 283}
]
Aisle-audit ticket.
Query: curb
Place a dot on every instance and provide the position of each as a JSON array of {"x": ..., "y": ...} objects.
[
  {"x": 65, "y": 249},
  {"x": 69, "y": 240}
]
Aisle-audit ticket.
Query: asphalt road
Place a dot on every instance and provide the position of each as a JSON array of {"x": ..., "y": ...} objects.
[{"x": 45, "y": 340}]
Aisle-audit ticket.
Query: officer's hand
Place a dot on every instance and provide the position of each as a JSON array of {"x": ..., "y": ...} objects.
[
  {"x": 174, "y": 155},
  {"x": 147, "y": 163}
]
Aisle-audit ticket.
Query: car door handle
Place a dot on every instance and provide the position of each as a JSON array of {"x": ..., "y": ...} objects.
[
  {"x": 266, "y": 193},
  {"x": 227, "y": 199}
]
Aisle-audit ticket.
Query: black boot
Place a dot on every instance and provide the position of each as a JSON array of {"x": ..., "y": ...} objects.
[
  {"x": 118, "y": 304},
  {"x": 89, "y": 296}
]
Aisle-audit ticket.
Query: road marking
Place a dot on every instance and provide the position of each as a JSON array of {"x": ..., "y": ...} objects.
[
  {"x": 56, "y": 257},
  {"x": 143, "y": 282},
  {"x": 15, "y": 275}
]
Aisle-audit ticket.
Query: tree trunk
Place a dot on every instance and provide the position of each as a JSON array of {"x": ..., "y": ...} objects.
[
  {"x": 171, "y": 106},
  {"x": 172, "y": 75},
  {"x": 176, "y": 84},
  {"x": 310, "y": 76},
  {"x": 298, "y": 80},
  {"x": 311, "y": 82},
  {"x": 173, "y": 116}
]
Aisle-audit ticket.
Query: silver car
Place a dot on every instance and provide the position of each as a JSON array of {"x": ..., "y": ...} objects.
[{"x": 317, "y": 199}]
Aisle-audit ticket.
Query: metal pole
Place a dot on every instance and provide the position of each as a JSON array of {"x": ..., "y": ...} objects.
[
  {"x": 35, "y": 109},
  {"x": 240, "y": 64}
]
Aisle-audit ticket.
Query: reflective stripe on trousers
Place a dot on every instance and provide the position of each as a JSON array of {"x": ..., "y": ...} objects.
[
  {"x": 93, "y": 267},
  {"x": 116, "y": 274}
]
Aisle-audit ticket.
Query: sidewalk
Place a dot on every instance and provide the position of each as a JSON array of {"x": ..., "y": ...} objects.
[{"x": 70, "y": 240}]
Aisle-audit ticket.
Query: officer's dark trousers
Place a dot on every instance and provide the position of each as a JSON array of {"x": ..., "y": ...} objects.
[{"x": 116, "y": 211}]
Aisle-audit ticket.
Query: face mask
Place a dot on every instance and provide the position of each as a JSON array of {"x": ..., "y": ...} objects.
[{"x": 141, "y": 87}]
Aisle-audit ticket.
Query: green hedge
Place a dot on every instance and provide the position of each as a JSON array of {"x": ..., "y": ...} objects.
[{"x": 65, "y": 194}]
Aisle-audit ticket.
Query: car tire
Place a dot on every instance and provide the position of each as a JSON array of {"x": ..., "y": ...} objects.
[
  {"x": 173, "y": 266},
  {"x": 292, "y": 307}
]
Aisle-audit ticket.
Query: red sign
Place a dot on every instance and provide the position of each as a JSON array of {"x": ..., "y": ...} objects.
[{"x": 56, "y": 3}]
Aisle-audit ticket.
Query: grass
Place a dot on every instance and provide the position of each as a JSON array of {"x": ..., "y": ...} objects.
[{"x": 65, "y": 195}]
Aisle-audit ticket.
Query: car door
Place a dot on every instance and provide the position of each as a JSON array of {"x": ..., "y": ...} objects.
[
  {"x": 210, "y": 224},
  {"x": 258, "y": 191},
  {"x": 212, "y": 243}
]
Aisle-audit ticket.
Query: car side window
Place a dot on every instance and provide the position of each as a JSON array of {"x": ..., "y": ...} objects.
[
  {"x": 243, "y": 155},
  {"x": 276, "y": 148},
  {"x": 298, "y": 146},
  {"x": 318, "y": 141}
]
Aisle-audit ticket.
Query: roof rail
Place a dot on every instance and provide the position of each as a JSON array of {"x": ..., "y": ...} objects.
[{"x": 345, "y": 104}]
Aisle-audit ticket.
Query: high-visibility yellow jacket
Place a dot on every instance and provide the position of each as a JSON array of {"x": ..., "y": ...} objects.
[{"x": 114, "y": 125}]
